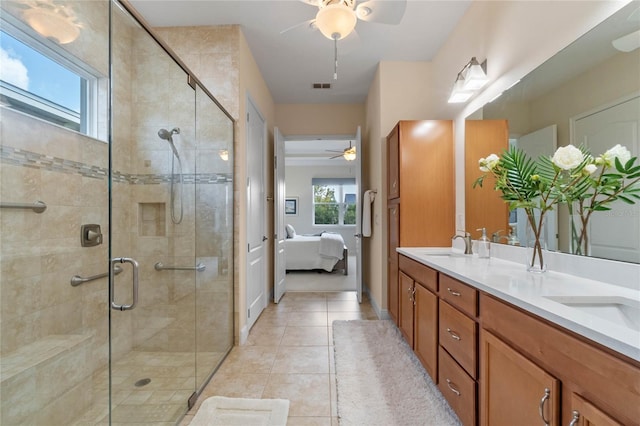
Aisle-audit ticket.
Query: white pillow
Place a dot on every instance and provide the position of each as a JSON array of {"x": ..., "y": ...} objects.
[{"x": 291, "y": 233}]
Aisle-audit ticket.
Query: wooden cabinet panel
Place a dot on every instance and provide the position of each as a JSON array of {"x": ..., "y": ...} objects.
[
  {"x": 419, "y": 272},
  {"x": 583, "y": 413},
  {"x": 393, "y": 224},
  {"x": 458, "y": 335},
  {"x": 426, "y": 330},
  {"x": 514, "y": 390},
  {"x": 393, "y": 290},
  {"x": 459, "y": 295},
  {"x": 406, "y": 307},
  {"x": 393, "y": 161},
  {"x": 426, "y": 181},
  {"x": 458, "y": 389}
]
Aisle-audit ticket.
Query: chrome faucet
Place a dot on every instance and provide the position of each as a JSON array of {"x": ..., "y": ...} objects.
[{"x": 467, "y": 241}]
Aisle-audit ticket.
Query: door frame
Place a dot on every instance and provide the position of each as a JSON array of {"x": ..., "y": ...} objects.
[{"x": 357, "y": 135}]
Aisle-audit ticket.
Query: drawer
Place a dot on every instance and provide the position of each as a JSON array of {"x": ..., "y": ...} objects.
[
  {"x": 458, "y": 388},
  {"x": 458, "y": 334},
  {"x": 460, "y": 295},
  {"x": 422, "y": 274}
]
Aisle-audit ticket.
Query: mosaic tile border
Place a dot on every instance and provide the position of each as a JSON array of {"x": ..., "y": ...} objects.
[{"x": 23, "y": 158}]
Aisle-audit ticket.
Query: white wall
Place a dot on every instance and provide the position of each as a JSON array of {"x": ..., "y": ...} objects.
[{"x": 298, "y": 184}]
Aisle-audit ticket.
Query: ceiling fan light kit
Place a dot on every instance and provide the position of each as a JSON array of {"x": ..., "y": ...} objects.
[
  {"x": 336, "y": 21},
  {"x": 350, "y": 154}
]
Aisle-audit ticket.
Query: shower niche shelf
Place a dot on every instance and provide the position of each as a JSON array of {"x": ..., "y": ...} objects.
[{"x": 152, "y": 219}]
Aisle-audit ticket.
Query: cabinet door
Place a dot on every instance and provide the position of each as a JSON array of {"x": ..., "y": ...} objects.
[
  {"x": 393, "y": 232},
  {"x": 406, "y": 307},
  {"x": 583, "y": 413},
  {"x": 426, "y": 330},
  {"x": 515, "y": 391},
  {"x": 393, "y": 164}
]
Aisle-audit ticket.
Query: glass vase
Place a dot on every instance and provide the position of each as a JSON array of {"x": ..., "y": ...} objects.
[
  {"x": 579, "y": 233},
  {"x": 536, "y": 241}
]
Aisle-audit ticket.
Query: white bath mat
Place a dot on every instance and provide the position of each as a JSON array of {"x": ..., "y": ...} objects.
[{"x": 223, "y": 411}]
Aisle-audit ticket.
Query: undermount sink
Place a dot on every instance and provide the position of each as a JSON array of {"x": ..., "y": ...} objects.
[
  {"x": 442, "y": 253},
  {"x": 620, "y": 310}
]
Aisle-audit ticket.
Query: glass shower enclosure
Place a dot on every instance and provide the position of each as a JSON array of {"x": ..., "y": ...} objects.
[{"x": 116, "y": 226}]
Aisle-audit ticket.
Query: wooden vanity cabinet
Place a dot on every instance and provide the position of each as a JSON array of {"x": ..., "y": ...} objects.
[
  {"x": 497, "y": 364},
  {"x": 419, "y": 311},
  {"x": 601, "y": 385}
]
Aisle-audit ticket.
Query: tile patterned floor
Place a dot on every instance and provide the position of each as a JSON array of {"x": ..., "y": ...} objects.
[{"x": 289, "y": 355}]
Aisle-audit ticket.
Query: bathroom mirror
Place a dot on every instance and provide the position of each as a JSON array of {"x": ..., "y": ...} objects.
[{"x": 590, "y": 91}]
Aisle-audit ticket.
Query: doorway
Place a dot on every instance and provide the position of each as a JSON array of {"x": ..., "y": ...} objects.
[{"x": 322, "y": 198}]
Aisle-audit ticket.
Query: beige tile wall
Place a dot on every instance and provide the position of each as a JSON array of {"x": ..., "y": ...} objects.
[{"x": 41, "y": 313}]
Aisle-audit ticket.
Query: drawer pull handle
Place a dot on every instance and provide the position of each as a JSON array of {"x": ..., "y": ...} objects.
[
  {"x": 453, "y": 334},
  {"x": 453, "y": 292},
  {"x": 545, "y": 398},
  {"x": 452, "y": 387},
  {"x": 575, "y": 419}
]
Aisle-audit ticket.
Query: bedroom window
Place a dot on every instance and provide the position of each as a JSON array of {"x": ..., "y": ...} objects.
[{"x": 334, "y": 201}]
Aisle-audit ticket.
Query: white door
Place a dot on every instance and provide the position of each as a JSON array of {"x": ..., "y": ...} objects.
[
  {"x": 536, "y": 144},
  {"x": 601, "y": 130},
  {"x": 279, "y": 270},
  {"x": 256, "y": 235},
  {"x": 359, "y": 206}
]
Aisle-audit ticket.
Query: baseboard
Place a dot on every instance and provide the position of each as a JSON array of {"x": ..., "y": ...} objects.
[
  {"x": 380, "y": 313},
  {"x": 244, "y": 335}
]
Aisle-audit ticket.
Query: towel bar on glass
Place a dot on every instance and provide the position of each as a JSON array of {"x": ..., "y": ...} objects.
[
  {"x": 160, "y": 267},
  {"x": 76, "y": 280}
]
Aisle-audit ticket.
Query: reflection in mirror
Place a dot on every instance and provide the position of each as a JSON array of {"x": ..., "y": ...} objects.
[{"x": 589, "y": 93}]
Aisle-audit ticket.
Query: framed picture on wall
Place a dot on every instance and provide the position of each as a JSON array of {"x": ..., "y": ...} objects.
[{"x": 291, "y": 206}]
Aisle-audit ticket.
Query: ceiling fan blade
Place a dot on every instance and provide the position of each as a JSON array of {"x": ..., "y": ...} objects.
[
  {"x": 310, "y": 25},
  {"x": 311, "y": 2},
  {"x": 336, "y": 156},
  {"x": 627, "y": 43},
  {"x": 382, "y": 11}
]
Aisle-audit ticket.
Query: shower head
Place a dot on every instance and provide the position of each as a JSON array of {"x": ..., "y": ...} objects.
[{"x": 168, "y": 136}]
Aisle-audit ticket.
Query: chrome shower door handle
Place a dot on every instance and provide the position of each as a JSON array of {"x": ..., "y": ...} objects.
[{"x": 134, "y": 269}]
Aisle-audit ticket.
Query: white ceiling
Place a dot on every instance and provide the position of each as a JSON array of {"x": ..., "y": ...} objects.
[{"x": 290, "y": 63}]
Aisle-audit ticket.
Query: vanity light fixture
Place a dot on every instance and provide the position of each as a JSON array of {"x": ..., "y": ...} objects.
[{"x": 469, "y": 80}]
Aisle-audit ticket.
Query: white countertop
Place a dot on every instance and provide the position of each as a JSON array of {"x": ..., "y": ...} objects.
[{"x": 511, "y": 282}]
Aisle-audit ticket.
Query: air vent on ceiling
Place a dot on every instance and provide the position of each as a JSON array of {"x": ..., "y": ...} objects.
[{"x": 321, "y": 85}]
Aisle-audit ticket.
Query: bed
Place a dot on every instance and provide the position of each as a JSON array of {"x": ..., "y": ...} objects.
[{"x": 308, "y": 252}]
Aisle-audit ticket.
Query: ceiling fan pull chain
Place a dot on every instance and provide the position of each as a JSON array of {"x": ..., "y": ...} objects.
[{"x": 335, "y": 55}]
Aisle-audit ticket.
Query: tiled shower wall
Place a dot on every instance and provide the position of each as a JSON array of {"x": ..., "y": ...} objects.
[{"x": 55, "y": 336}]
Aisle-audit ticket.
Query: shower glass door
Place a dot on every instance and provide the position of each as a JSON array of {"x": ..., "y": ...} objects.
[
  {"x": 214, "y": 239},
  {"x": 153, "y": 214}
]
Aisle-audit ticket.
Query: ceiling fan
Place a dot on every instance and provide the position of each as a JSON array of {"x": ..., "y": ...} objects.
[
  {"x": 337, "y": 19},
  {"x": 348, "y": 154}
]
